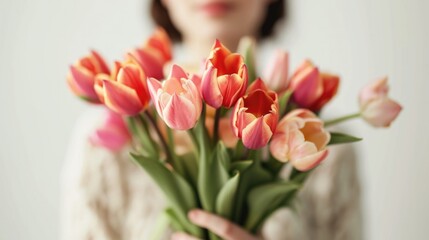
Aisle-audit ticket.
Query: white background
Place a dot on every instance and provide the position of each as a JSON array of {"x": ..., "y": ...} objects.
[{"x": 360, "y": 40}]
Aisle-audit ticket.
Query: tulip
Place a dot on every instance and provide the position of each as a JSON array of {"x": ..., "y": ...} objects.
[
  {"x": 301, "y": 139},
  {"x": 255, "y": 116},
  {"x": 81, "y": 78},
  {"x": 225, "y": 78},
  {"x": 113, "y": 134},
  {"x": 154, "y": 54},
  {"x": 312, "y": 89},
  {"x": 276, "y": 73},
  {"x": 128, "y": 94},
  {"x": 376, "y": 107},
  {"x": 176, "y": 99}
]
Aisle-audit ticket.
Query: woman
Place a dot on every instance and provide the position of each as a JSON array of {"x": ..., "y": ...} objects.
[{"x": 108, "y": 197}]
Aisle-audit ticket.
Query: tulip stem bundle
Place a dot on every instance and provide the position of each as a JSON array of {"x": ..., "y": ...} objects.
[{"x": 258, "y": 126}]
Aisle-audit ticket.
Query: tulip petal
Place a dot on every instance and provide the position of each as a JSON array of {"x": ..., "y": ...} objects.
[
  {"x": 330, "y": 88},
  {"x": 381, "y": 112},
  {"x": 307, "y": 87},
  {"x": 256, "y": 134},
  {"x": 121, "y": 99},
  {"x": 100, "y": 61},
  {"x": 279, "y": 147},
  {"x": 177, "y": 72},
  {"x": 309, "y": 162},
  {"x": 210, "y": 88},
  {"x": 84, "y": 81},
  {"x": 179, "y": 113},
  {"x": 152, "y": 66}
]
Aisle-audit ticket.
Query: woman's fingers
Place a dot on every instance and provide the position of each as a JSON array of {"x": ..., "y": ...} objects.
[
  {"x": 183, "y": 236},
  {"x": 218, "y": 225}
]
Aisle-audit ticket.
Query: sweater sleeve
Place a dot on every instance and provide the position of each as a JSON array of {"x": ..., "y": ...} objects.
[{"x": 105, "y": 196}]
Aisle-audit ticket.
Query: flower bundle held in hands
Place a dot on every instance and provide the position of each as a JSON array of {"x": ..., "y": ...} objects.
[{"x": 218, "y": 139}]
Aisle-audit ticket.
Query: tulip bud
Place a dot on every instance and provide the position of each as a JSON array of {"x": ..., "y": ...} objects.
[
  {"x": 128, "y": 94},
  {"x": 81, "y": 78},
  {"x": 154, "y": 54},
  {"x": 376, "y": 107},
  {"x": 113, "y": 134},
  {"x": 312, "y": 89},
  {"x": 276, "y": 74},
  {"x": 255, "y": 116},
  {"x": 225, "y": 78},
  {"x": 176, "y": 99},
  {"x": 301, "y": 139}
]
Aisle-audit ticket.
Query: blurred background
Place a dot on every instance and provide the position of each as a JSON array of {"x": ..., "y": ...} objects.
[{"x": 359, "y": 40}]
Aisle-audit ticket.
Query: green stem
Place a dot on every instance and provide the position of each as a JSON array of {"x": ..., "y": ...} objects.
[
  {"x": 341, "y": 119},
  {"x": 216, "y": 126},
  {"x": 161, "y": 137}
]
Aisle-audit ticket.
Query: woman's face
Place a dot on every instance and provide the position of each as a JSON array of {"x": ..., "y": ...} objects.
[{"x": 222, "y": 19}]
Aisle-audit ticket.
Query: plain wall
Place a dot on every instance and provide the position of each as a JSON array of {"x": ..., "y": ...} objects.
[{"x": 360, "y": 40}]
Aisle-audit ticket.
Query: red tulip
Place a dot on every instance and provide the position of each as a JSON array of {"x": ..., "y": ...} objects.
[
  {"x": 81, "y": 78},
  {"x": 312, "y": 89},
  {"x": 154, "y": 54},
  {"x": 301, "y": 139},
  {"x": 225, "y": 78},
  {"x": 255, "y": 116},
  {"x": 376, "y": 107},
  {"x": 176, "y": 99},
  {"x": 128, "y": 94}
]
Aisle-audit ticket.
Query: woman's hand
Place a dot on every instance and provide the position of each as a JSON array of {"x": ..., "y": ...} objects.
[{"x": 218, "y": 225}]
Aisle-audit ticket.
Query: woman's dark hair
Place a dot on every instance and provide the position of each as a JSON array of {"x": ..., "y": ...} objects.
[{"x": 276, "y": 10}]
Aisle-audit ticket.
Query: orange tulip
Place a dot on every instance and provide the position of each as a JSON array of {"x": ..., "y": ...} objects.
[
  {"x": 312, "y": 89},
  {"x": 81, "y": 78},
  {"x": 154, "y": 54},
  {"x": 128, "y": 93},
  {"x": 301, "y": 139},
  {"x": 376, "y": 107},
  {"x": 225, "y": 78},
  {"x": 255, "y": 116}
]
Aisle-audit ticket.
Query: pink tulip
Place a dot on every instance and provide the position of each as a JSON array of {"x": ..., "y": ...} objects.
[
  {"x": 81, "y": 78},
  {"x": 176, "y": 99},
  {"x": 154, "y": 54},
  {"x": 312, "y": 89},
  {"x": 128, "y": 94},
  {"x": 113, "y": 134},
  {"x": 276, "y": 74},
  {"x": 376, "y": 107},
  {"x": 225, "y": 78},
  {"x": 255, "y": 116},
  {"x": 301, "y": 139}
]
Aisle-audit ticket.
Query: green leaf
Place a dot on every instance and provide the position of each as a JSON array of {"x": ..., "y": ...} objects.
[
  {"x": 265, "y": 199},
  {"x": 140, "y": 130},
  {"x": 283, "y": 101},
  {"x": 250, "y": 177},
  {"x": 177, "y": 191},
  {"x": 246, "y": 48},
  {"x": 212, "y": 175},
  {"x": 226, "y": 197},
  {"x": 338, "y": 138},
  {"x": 188, "y": 164},
  {"x": 240, "y": 165}
]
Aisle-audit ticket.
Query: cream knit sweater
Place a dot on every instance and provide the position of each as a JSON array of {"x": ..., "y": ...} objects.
[{"x": 107, "y": 197}]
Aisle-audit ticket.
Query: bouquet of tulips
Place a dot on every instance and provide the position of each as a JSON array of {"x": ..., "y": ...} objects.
[{"x": 218, "y": 139}]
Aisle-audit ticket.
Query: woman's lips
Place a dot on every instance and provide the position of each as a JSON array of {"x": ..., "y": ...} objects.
[{"x": 216, "y": 8}]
